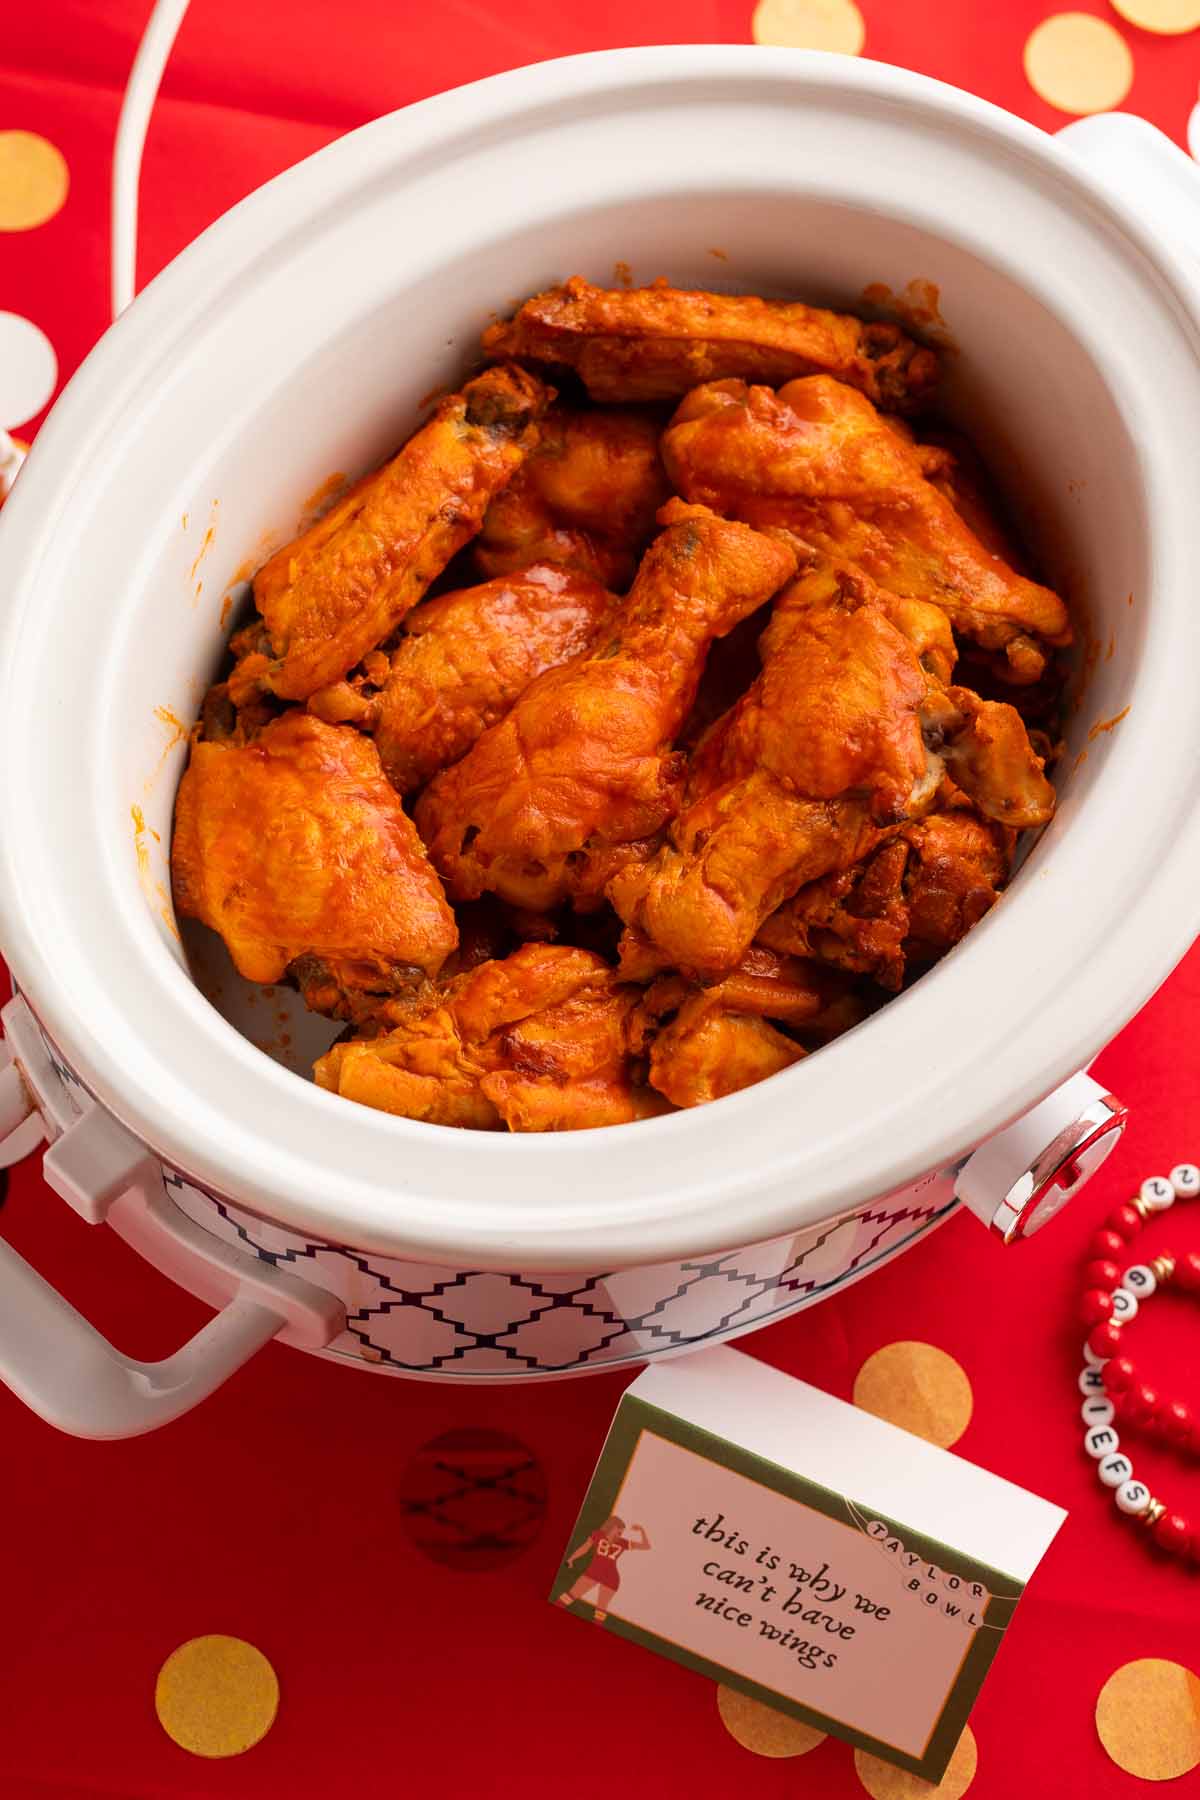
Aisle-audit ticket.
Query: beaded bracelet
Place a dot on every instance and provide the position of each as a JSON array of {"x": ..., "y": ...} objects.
[{"x": 1109, "y": 1381}]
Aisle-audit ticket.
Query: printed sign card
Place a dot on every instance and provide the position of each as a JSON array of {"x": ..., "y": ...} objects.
[{"x": 775, "y": 1539}]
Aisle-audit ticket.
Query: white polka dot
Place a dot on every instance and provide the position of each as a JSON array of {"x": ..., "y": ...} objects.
[{"x": 28, "y": 370}]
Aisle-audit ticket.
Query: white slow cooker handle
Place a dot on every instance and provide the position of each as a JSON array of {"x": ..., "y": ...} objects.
[
  {"x": 1143, "y": 166},
  {"x": 69, "y": 1375},
  {"x": 51, "y": 1358}
]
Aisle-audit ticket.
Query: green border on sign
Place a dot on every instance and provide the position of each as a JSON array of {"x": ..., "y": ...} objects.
[{"x": 634, "y": 1416}]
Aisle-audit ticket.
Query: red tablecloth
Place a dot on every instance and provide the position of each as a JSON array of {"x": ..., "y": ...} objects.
[{"x": 275, "y": 1513}]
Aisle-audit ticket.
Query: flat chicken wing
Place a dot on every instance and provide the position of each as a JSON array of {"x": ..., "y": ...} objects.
[
  {"x": 343, "y": 587},
  {"x": 909, "y": 902},
  {"x": 655, "y": 343},
  {"x": 843, "y": 736},
  {"x": 957, "y": 865},
  {"x": 295, "y": 848},
  {"x": 818, "y": 459},
  {"x": 705, "y": 1042},
  {"x": 587, "y": 497},
  {"x": 536, "y": 1042},
  {"x": 854, "y": 919},
  {"x": 580, "y": 776},
  {"x": 462, "y": 662}
]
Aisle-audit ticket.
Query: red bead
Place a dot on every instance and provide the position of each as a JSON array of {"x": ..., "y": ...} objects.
[
  {"x": 1104, "y": 1340},
  {"x": 1108, "y": 1246},
  {"x": 1095, "y": 1307},
  {"x": 1119, "y": 1375},
  {"x": 1106, "y": 1275},
  {"x": 1145, "y": 1406},
  {"x": 1125, "y": 1222},
  {"x": 1187, "y": 1271},
  {"x": 1173, "y": 1533},
  {"x": 1178, "y": 1422}
]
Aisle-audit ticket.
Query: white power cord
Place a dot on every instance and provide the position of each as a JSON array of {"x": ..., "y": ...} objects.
[
  {"x": 141, "y": 91},
  {"x": 11, "y": 459}
]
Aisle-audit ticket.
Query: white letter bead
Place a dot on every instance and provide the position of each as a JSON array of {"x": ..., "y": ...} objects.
[
  {"x": 1158, "y": 1193},
  {"x": 1100, "y": 1441},
  {"x": 1091, "y": 1381},
  {"x": 1124, "y": 1306},
  {"x": 1091, "y": 1359},
  {"x": 1114, "y": 1471},
  {"x": 1132, "y": 1497},
  {"x": 1098, "y": 1411},
  {"x": 1185, "y": 1180},
  {"x": 1140, "y": 1280}
]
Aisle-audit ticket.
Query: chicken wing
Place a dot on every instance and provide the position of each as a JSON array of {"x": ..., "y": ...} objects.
[
  {"x": 587, "y": 497},
  {"x": 855, "y": 919},
  {"x": 344, "y": 586},
  {"x": 580, "y": 776},
  {"x": 843, "y": 736},
  {"x": 295, "y": 847},
  {"x": 462, "y": 662},
  {"x": 705, "y": 1042},
  {"x": 655, "y": 343},
  {"x": 957, "y": 865},
  {"x": 802, "y": 776},
  {"x": 909, "y": 902},
  {"x": 536, "y": 1042},
  {"x": 818, "y": 459}
]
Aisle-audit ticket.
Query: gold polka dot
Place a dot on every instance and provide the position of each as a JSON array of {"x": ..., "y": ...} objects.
[
  {"x": 884, "y": 1781},
  {"x": 1148, "y": 1718},
  {"x": 1169, "y": 17},
  {"x": 1078, "y": 63},
  {"x": 761, "y": 1729},
  {"x": 216, "y": 1696},
  {"x": 810, "y": 25},
  {"x": 918, "y": 1387},
  {"x": 33, "y": 180}
]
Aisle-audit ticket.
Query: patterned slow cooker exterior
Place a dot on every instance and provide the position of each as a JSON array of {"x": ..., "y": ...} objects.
[
  {"x": 413, "y": 1319},
  {"x": 424, "y": 1321}
]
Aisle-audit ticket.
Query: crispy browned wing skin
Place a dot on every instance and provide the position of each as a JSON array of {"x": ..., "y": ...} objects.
[
  {"x": 580, "y": 775},
  {"x": 817, "y": 459},
  {"x": 462, "y": 662},
  {"x": 295, "y": 846},
  {"x": 854, "y": 919},
  {"x": 344, "y": 586},
  {"x": 654, "y": 343},
  {"x": 957, "y": 865},
  {"x": 536, "y": 1042},
  {"x": 906, "y": 904},
  {"x": 587, "y": 497}
]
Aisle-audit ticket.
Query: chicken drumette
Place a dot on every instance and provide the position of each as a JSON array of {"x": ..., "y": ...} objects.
[
  {"x": 341, "y": 588},
  {"x": 586, "y": 498},
  {"x": 654, "y": 343},
  {"x": 844, "y": 736},
  {"x": 462, "y": 662},
  {"x": 817, "y": 459},
  {"x": 581, "y": 775},
  {"x": 704, "y": 1042},
  {"x": 295, "y": 847},
  {"x": 536, "y": 1042}
]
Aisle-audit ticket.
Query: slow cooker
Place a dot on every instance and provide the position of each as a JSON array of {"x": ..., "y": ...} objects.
[{"x": 298, "y": 337}]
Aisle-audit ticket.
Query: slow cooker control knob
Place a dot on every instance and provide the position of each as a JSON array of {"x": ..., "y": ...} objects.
[{"x": 1020, "y": 1178}]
